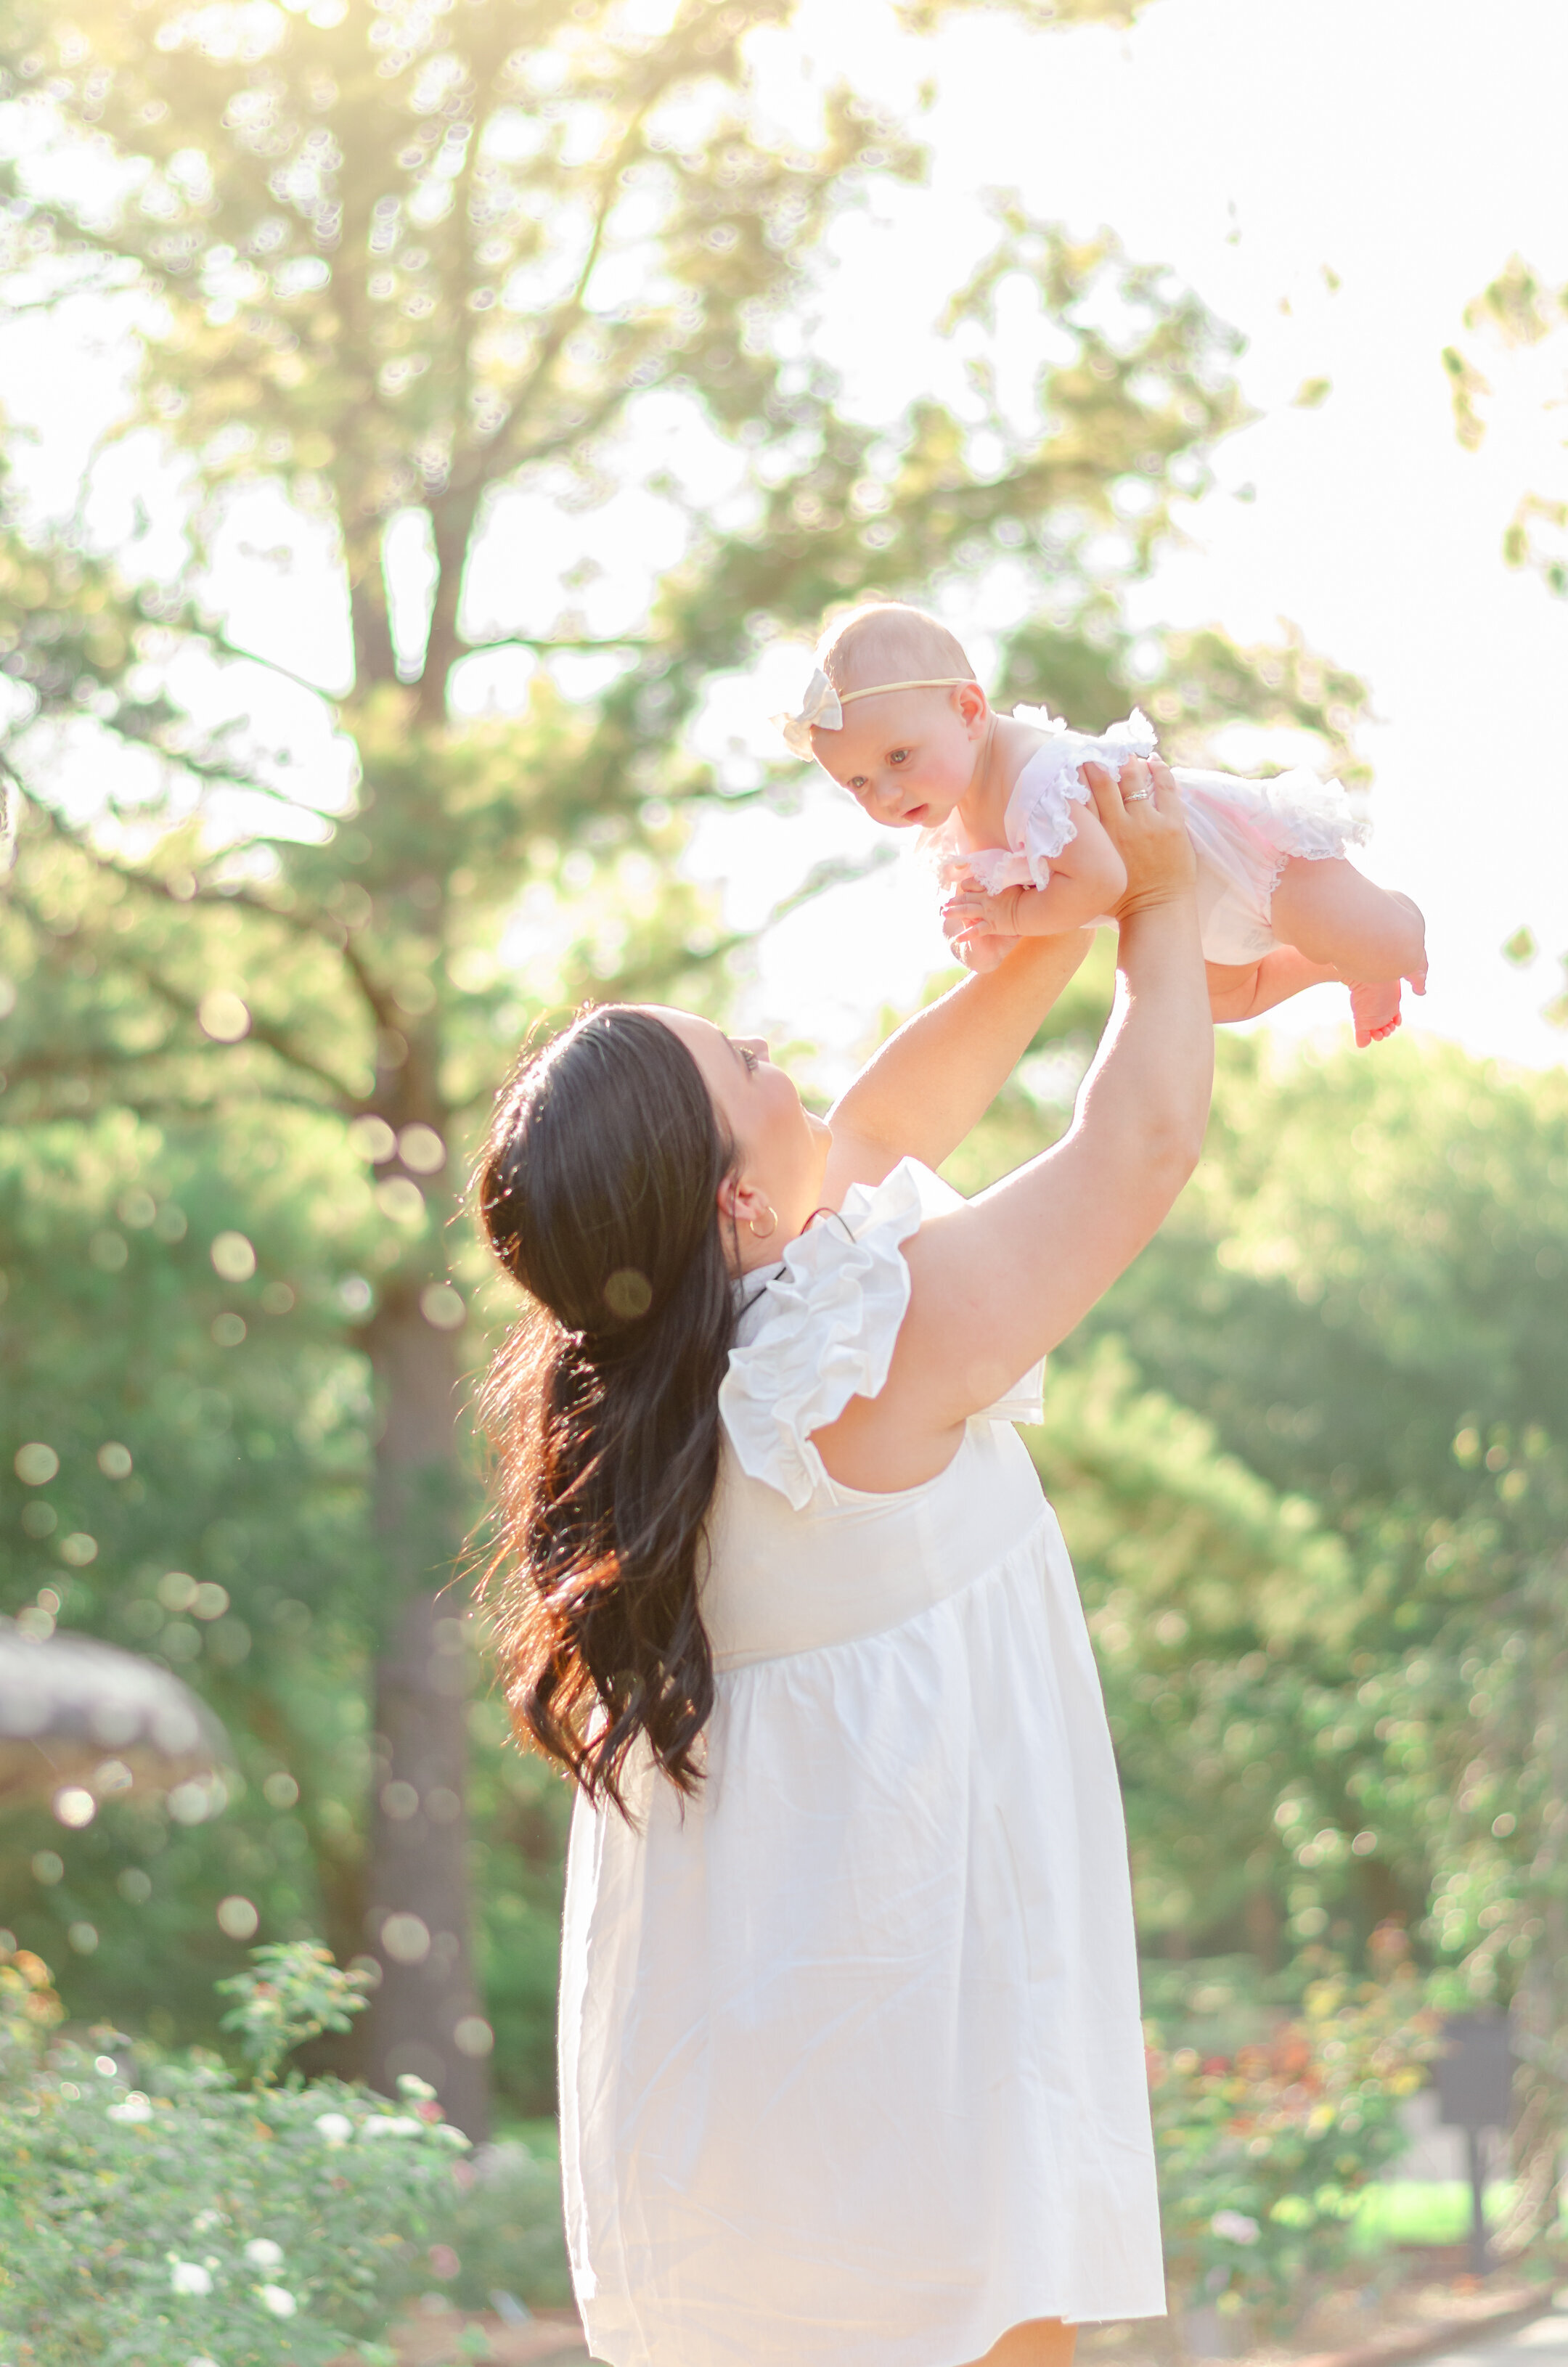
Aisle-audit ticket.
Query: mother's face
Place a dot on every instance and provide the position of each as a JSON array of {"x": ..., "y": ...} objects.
[{"x": 780, "y": 1149}]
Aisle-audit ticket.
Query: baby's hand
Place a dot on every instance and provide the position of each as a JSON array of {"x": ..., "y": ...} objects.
[
  {"x": 970, "y": 913},
  {"x": 984, "y": 952}
]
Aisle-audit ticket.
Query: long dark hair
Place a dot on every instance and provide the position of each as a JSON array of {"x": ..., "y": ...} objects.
[{"x": 597, "y": 1192}]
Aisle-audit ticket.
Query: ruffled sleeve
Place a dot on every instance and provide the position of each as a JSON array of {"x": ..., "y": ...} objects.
[{"x": 821, "y": 1329}]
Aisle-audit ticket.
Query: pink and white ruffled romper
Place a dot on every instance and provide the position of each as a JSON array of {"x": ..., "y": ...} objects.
[
  {"x": 851, "y": 2068},
  {"x": 1242, "y": 832}
]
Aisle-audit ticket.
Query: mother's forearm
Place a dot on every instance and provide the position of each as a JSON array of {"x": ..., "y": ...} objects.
[{"x": 930, "y": 1083}]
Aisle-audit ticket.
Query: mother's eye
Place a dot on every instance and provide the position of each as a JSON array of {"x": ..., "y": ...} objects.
[{"x": 750, "y": 1060}]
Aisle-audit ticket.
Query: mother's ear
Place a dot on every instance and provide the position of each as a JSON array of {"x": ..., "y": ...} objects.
[{"x": 744, "y": 1204}]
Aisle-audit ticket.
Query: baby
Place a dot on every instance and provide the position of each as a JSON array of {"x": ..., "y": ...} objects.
[{"x": 894, "y": 714}]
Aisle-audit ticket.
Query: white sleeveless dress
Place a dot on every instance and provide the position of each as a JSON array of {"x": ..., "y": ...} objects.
[
  {"x": 851, "y": 2068},
  {"x": 1243, "y": 832}
]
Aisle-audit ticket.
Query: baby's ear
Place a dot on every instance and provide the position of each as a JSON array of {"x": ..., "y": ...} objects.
[{"x": 971, "y": 704}]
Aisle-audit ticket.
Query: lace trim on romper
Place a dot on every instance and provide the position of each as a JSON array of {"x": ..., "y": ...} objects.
[{"x": 1243, "y": 831}]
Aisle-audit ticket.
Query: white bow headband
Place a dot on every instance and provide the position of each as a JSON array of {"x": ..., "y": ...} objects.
[{"x": 821, "y": 709}]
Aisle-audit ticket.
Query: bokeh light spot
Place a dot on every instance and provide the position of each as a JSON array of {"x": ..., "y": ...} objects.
[
  {"x": 233, "y": 1257},
  {"x": 237, "y": 1917},
  {"x": 222, "y": 1017}
]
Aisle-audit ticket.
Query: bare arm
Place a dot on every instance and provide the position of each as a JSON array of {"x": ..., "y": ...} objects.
[
  {"x": 999, "y": 1281},
  {"x": 1088, "y": 880},
  {"x": 929, "y": 1084}
]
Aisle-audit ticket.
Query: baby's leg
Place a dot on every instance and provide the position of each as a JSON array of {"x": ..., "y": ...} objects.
[
  {"x": 1246, "y": 990},
  {"x": 1371, "y": 937},
  {"x": 1331, "y": 913}
]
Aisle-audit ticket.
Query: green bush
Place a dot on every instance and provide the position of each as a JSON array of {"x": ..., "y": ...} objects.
[
  {"x": 1266, "y": 2154},
  {"x": 506, "y": 2233},
  {"x": 171, "y": 2217}
]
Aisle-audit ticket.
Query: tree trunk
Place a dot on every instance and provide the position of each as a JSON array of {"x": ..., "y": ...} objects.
[
  {"x": 374, "y": 660},
  {"x": 451, "y": 527},
  {"x": 1541, "y": 2006},
  {"x": 425, "y": 2017}
]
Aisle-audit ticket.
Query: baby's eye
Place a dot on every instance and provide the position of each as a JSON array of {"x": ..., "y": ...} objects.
[
  {"x": 856, "y": 785},
  {"x": 898, "y": 756}
]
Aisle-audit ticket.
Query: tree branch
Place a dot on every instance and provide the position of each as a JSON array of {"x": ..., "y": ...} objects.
[
  {"x": 261, "y": 1031},
  {"x": 219, "y": 639},
  {"x": 545, "y": 642}
]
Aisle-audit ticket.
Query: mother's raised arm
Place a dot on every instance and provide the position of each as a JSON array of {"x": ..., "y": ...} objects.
[
  {"x": 922, "y": 1091},
  {"x": 999, "y": 1281}
]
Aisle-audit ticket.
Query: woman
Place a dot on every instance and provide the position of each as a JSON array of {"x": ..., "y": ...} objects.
[{"x": 851, "y": 2068}]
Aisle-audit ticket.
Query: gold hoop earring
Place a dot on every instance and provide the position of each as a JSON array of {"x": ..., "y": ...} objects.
[{"x": 764, "y": 1232}]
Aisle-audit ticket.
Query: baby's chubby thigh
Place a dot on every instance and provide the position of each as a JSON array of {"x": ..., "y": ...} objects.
[{"x": 1334, "y": 913}]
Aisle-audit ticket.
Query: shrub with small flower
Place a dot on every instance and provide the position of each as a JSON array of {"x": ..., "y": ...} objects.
[
  {"x": 1265, "y": 2155},
  {"x": 177, "y": 2214},
  {"x": 30, "y": 2009}
]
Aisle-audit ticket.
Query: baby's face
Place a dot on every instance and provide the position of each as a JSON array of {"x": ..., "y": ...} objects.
[{"x": 907, "y": 756}]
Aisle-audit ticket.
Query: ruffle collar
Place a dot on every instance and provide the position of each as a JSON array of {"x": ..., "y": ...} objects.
[{"x": 821, "y": 1327}]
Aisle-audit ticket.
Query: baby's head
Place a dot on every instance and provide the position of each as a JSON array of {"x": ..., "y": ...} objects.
[{"x": 907, "y": 753}]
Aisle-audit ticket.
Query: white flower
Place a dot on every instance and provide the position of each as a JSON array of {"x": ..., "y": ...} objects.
[
  {"x": 204, "y": 2220},
  {"x": 262, "y": 2253},
  {"x": 392, "y": 2124},
  {"x": 454, "y": 2136},
  {"x": 135, "y": 2108},
  {"x": 190, "y": 2277},
  {"x": 336, "y": 2127},
  {"x": 277, "y": 2299},
  {"x": 201, "y": 2360},
  {"x": 1234, "y": 2226},
  {"x": 412, "y": 2089}
]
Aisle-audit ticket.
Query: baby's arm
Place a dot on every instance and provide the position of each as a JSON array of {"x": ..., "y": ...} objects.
[{"x": 1087, "y": 879}]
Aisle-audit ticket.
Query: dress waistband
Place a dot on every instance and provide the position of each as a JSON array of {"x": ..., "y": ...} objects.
[{"x": 851, "y": 1565}]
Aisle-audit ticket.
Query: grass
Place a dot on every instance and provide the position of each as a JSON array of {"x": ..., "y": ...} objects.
[{"x": 1422, "y": 2211}]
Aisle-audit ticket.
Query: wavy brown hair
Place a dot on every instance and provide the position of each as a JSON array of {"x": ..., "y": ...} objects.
[{"x": 597, "y": 1192}]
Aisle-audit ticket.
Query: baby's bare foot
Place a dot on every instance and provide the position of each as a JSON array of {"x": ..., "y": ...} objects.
[{"x": 1374, "y": 1006}]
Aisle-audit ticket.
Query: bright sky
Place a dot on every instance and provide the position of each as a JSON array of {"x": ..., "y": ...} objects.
[{"x": 1249, "y": 144}]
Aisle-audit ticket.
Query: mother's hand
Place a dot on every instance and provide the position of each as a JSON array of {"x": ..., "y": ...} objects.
[{"x": 1144, "y": 819}]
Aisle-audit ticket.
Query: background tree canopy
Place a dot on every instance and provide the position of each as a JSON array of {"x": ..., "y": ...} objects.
[{"x": 410, "y": 280}]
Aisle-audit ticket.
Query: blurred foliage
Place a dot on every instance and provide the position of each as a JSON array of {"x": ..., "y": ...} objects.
[
  {"x": 229, "y": 1542},
  {"x": 1517, "y": 309},
  {"x": 291, "y": 1991},
  {"x": 1267, "y": 2150},
  {"x": 279, "y": 2223}
]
